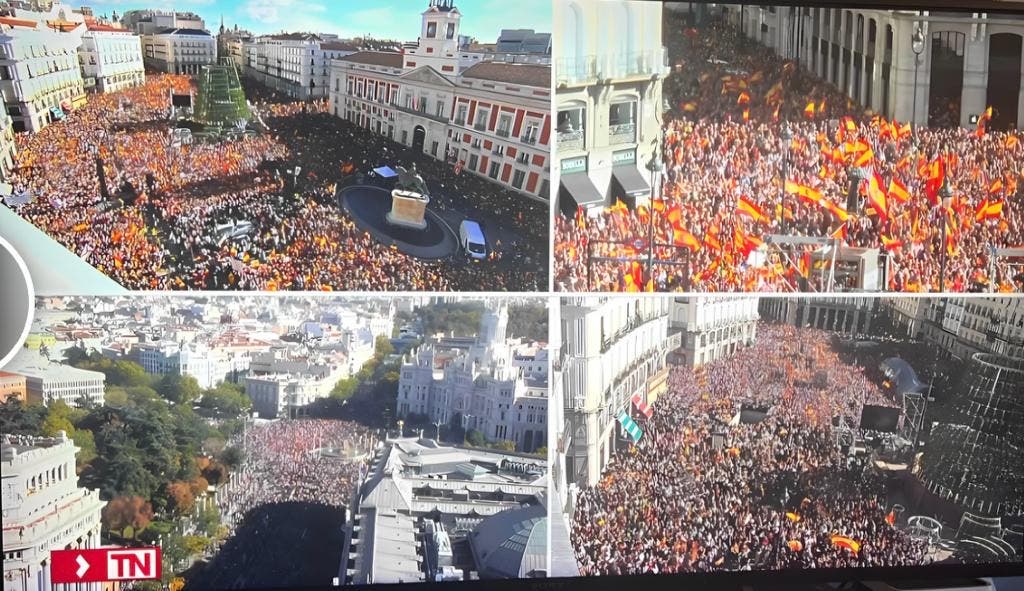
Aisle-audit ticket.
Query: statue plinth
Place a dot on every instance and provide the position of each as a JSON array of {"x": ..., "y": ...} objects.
[{"x": 408, "y": 209}]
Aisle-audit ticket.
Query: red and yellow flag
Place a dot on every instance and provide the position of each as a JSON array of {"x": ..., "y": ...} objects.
[
  {"x": 898, "y": 191},
  {"x": 748, "y": 208}
]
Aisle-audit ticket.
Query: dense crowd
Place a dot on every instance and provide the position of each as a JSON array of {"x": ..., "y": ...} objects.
[
  {"x": 773, "y": 494},
  {"x": 724, "y": 141},
  {"x": 167, "y": 221},
  {"x": 311, "y": 461}
]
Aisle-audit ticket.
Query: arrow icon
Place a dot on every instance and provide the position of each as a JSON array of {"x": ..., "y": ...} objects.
[{"x": 83, "y": 565}]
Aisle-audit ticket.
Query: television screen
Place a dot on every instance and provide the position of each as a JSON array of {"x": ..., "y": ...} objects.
[
  {"x": 806, "y": 147},
  {"x": 211, "y": 442},
  {"x": 727, "y": 457}
]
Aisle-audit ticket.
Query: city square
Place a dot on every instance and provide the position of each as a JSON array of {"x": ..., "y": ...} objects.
[
  {"x": 752, "y": 161},
  {"x": 211, "y": 170},
  {"x": 871, "y": 439}
]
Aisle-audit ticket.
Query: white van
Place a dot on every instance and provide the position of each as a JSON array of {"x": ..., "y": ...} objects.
[{"x": 471, "y": 239}]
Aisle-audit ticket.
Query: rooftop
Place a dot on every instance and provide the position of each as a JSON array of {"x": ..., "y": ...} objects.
[
  {"x": 387, "y": 59},
  {"x": 535, "y": 75},
  {"x": 295, "y": 37},
  {"x": 338, "y": 46},
  {"x": 179, "y": 31}
]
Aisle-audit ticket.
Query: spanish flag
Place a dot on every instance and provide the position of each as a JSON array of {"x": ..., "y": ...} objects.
[
  {"x": 795, "y": 545},
  {"x": 898, "y": 191},
  {"x": 746, "y": 115},
  {"x": 682, "y": 237},
  {"x": 877, "y": 197},
  {"x": 745, "y": 243},
  {"x": 891, "y": 244},
  {"x": 840, "y": 213},
  {"x": 989, "y": 211},
  {"x": 809, "y": 110},
  {"x": 1012, "y": 141},
  {"x": 983, "y": 120},
  {"x": 689, "y": 106},
  {"x": 743, "y": 98},
  {"x": 865, "y": 158},
  {"x": 747, "y": 207},
  {"x": 996, "y": 187},
  {"x": 674, "y": 215},
  {"x": 839, "y": 232},
  {"x": 793, "y": 517},
  {"x": 845, "y": 542}
]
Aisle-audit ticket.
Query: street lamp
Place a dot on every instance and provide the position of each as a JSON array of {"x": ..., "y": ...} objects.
[
  {"x": 655, "y": 168},
  {"x": 917, "y": 45},
  {"x": 946, "y": 193},
  {"x": 787, "y": 137}
]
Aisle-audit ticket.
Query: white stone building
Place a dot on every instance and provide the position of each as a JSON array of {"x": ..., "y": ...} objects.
[
  {"x": 44, "y": 509},
  {"x": 963, "y": 326},
  {"x": 609, "y": 69},
  {"x": 280, "y": 395},
  {"x": 47, "y": 382},
  {"x": 179, "y": 50},
  {"x": 296, "y": 64},
  {"x": 145, "y": 22},
  {"x": 612, "y": 349},
  {"x": 713, "y": 327},
  {"x": 490, "y": 388},
  {"x": 968, "y": 61},
  {"x": 40, "y": 78},
  {"x": 111, "y": 58},
  {"x": 493, "y": 117},
  {"x": 8, "y": 149},
  {"x": 208, "y": 365}
]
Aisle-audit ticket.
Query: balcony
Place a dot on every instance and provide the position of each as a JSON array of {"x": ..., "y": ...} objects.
[
  {"x": 571, "y": 140},
  {"x": 460, "y": 122},
  {"x": 480, "y": 127},
  {"x": 419, "y": 113},
  {"x": 632, "y": 324},
  {"x": 503, "y": 133},
  {"x": 623, "y": 133},
  {"x": 529, "y": 140},
  {"x": 611, "y": 66}
]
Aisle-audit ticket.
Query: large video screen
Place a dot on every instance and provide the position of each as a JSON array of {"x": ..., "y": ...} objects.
[
  {"x": 213, "y": 442},
  {"x": 839, "y": 469}
]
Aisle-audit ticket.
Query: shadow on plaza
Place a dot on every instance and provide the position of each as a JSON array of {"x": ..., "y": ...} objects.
[{"x": 279, "y": 545}]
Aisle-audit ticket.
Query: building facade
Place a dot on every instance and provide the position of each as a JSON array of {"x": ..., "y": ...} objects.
[
  {"x": 967, "y": 63},
  {"x": 146, "y": 22},
  {"x": 713, "y": 327},
  {"x": 12, "y": 387},
  {"x": 40, "y": 78},
  {"x": 491, "y": 388},
  {"x": 44, "y": 510},
  {"x": 612, "y": 349},
  {"x": 111, "y": 59},
  {"x": 487, "y": 118},
  {"x": 961, "y": 327},
  {"x": 47, "y": 382},
  {"x": 609, "y": 69},
  {"x": 179, "y": 50},
  {"x": 8, "y": 148},
  {"x": 849, "y": 316},
  {"x": 296, "y": 64}
]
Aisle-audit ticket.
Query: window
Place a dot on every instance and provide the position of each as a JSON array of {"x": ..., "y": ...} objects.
[
  {"x": 530, "y": 133},
  {"x": 460, "y": 118},
  {"x": 499, "y": 149},
  {"x": 493, "y": 171},
  {"x": 440, "y": 109},
  {"x": 621, "y": 113},
  {"x": 433, "y": 149},
  {"x": 473, "y": 158},
  {"x": 431, "y": 30},
  {"x": 517, "y": 179},
  {"x": 522, "y": 158},
  {"x": 481, "y": 119},
  {"x": 450, "y": 32},
  {"x": 504, "y": 125}
]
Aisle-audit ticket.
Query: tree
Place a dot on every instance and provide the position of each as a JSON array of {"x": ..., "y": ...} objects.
[
  {"x": 541, "y": 451},
  {"x": 196, "y": 544},
  {"x": 475, "y": 438},
  {"x": 178, "y": 389},
  {"x": 383, "y": 347},
  {"x": 233, "y": 457},
  {"x": 19, "y": 418},
  {"x": 199, "y": 486},
  {"x": 344, "y": 389},
  {"x": 123, "y": 512},
  {"x": 215, "y": 472},
  {"x": 226, "y": 400},
  {"x": 529, "y": 321},
  {"x": 180, "y": 496},
  {"x": 504, "y": 445},
  {"x": 86, "y": 442}
]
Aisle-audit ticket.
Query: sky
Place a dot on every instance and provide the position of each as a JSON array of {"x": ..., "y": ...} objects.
[{"x": 388, "y": 19}]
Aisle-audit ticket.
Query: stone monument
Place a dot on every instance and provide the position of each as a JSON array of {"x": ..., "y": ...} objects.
[{"x": 409, "y": 200}]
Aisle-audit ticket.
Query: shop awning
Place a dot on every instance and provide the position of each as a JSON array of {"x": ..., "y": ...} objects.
[
  {"x": 631, "y": 181},
  {"x": 582, "y": 190}
]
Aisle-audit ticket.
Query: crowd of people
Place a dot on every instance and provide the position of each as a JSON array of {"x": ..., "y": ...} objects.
[
  {"x": 303, "y": 460},
  {"x": 746, "y": 125},
  {"x": 770, "y": 494},
  {"x": 168, "y": 218}
]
